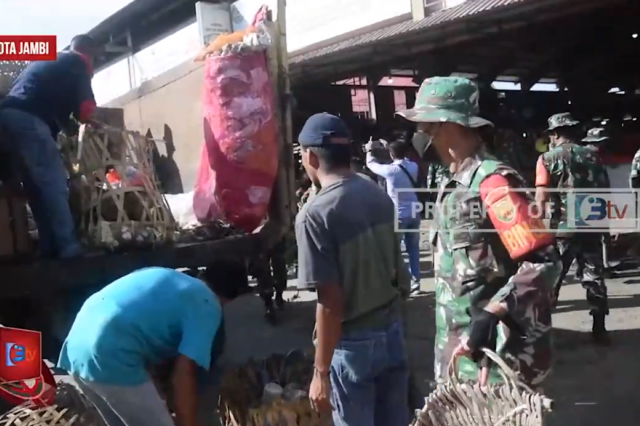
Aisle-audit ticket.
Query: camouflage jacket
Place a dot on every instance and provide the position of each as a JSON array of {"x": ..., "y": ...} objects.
[
  {"x": 571, "y": 166},
  {"x": 437, "y": 174},
  {"x": 635, "y": 171},
  {"x": 473, "y": 268}
]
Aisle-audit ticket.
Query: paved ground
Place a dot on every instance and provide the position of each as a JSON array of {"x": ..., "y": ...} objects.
[{"x": 591, "y": 386}]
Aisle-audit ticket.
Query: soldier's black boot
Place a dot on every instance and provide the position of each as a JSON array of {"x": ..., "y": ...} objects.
[{"x": 599, "y": 331}]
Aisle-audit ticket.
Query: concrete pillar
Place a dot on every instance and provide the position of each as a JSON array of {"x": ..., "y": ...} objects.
[
  {"x": 410, "y": 96},
  {"x": 372, "y": 83},
  {"x": 385, "y": 103},
  {"x": 417, "y": 9}
]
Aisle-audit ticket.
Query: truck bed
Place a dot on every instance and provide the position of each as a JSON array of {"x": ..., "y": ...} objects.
[{"x": 39, "y": 278}]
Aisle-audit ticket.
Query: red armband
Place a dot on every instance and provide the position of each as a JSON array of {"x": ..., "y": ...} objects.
[
  {"x": 542, "y": 174},
  {"x": 513, "y": 218},
  {"x": 86, "y": 111}
]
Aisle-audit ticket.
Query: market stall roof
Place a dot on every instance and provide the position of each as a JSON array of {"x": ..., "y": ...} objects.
[
  {"x": 468, "y": 8},
  {"x": 472, "y": 20}
]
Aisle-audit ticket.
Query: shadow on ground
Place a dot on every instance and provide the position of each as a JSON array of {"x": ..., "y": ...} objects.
[{"x": 590, "y": 385}]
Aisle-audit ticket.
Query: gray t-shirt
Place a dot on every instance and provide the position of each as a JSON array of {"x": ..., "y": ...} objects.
[{"x": 346, "y": 235}]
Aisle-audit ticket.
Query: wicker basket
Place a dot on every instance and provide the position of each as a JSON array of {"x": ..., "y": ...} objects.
[
  {"x": 510, "y": 403},
  {"x": 70, "y": 408},
  {"x": 131, "y": 214},
  {"x": 241, "y": 393}
]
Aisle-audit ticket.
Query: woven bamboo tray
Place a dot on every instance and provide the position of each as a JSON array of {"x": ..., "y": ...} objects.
[
  {"x": 510, "y": 403},
  {"x": 71, "y": 408},
  {"x": 134, "y": 213}
]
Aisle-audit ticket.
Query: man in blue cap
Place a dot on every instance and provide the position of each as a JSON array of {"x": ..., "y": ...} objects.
[{"x": 348, "y": 250}]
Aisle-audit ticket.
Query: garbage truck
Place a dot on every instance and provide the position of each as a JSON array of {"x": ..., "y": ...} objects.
[{"x": 34, "y": 291}]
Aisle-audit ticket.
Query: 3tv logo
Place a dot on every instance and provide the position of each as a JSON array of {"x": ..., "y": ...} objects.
[
  {"x": 21, "y": 354},
  {"x": 594, "y": 208},
  {"x": 602, "y": 211}
]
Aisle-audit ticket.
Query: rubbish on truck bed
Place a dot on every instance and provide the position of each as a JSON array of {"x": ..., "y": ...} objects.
[{"x": 250, "y": 394}]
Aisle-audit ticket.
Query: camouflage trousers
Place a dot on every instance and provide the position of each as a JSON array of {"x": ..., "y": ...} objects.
[
  {"x": 587, "y": 250},
  {"x": 270, "y": 271}
]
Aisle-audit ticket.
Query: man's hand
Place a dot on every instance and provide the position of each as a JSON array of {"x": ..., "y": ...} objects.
[
  {"x": 320, "y": 392},
  {"x": 483, "y": 373},
  {"x": 369, "y": 146},
  {"x": 483, "y": 333},
  {"x": 379, "y": 144}
]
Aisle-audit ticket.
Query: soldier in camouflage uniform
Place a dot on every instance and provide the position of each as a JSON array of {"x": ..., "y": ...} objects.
[
  {"x": 566, "y": 166},
  {"x": 493, "y": 289},
  {"x": 437, "y": 174},
  {"x": 593, "y": 141}
]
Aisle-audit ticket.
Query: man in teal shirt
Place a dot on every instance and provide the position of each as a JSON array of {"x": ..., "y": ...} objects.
[{"x": 146, "y": 319}]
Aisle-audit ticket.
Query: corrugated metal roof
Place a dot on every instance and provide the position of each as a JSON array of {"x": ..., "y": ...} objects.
[{"x": 466, "y": 9}]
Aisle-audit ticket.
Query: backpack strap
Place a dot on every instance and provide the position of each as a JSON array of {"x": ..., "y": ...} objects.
[{"x": 406, "y": 172}]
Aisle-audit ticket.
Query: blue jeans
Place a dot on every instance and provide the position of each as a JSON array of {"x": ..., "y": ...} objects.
[
  {"x": 29, "y": 139},
  {"x": 412, "y": 244},
  {"x": 370, "y": 379}
]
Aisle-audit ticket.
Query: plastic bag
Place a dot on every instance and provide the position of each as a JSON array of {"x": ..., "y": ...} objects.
[
  {"x": 181, "y": 206},
  {"x": 239, "y": 160}
]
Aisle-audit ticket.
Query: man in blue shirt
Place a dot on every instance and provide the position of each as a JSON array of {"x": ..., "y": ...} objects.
[
  {"x": 401, "y": 174},
  {"x": 42, "y": 99},
  {"x": 143, "y": 321}
]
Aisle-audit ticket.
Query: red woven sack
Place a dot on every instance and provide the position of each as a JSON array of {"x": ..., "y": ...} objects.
[{"x": 239, "y": 160}]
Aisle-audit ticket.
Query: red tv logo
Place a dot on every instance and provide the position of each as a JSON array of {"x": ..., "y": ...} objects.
[{"x": 20, "y": 354}]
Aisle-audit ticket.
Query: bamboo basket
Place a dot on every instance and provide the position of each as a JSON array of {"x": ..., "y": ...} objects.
[
  {"x": 241, "y": 400},
  {"x": 134, "y": 214},
  {"x": 71, "y": 408},
  {"x": 509, "y": 403}
]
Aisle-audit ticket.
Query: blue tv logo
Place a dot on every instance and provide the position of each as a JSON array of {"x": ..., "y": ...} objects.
[
  {"x": 14, "y": 354},
  {"x": 598, "y": 211},
  {"x": 594, "y": 208}
]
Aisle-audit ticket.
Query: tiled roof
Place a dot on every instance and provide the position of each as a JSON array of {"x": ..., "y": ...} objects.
[{"x": 466, "y": 9}]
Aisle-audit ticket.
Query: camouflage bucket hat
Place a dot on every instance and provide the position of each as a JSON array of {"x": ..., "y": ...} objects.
[
  {"x": 447, "y": 100},
  {"x": 596, "y": 135},
  {"x": 564, "y": 119}
]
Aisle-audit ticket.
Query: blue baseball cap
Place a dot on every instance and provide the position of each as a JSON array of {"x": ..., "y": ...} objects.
[{"x": 324, "y": 129}]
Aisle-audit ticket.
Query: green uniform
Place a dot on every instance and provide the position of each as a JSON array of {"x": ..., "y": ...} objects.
[
  {"x": 572, "y": 166},
  {"x": 437, "y": 174},
  {"x": 472, "y": 262}
]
